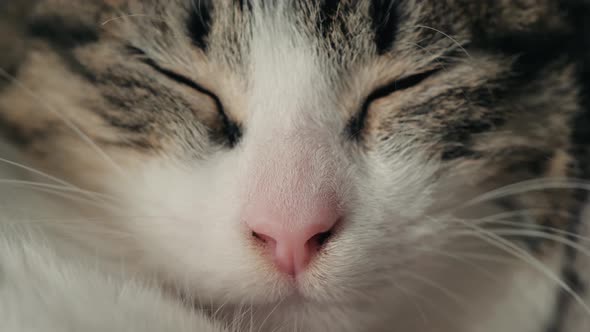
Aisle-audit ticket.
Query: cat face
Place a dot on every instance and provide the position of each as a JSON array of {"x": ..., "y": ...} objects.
[{"x": 301, "y": 153}]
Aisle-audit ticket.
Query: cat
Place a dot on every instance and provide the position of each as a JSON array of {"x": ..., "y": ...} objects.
[{"x": 329, "y": 165}]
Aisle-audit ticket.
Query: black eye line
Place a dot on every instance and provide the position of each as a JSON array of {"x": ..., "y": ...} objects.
[
  {"x": 357, "y": 123},
  {"x": 233, "y": 130}
]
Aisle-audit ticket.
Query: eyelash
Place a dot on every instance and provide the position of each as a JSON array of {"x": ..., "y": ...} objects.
[
  {"x": 357, "y": 123},
  {"x": 231, "y": 130}
]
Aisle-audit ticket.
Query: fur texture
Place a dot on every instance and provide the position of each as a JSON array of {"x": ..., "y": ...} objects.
[
  {"x": 41, "y": 292},
  {"x": 453, "y": 134}
]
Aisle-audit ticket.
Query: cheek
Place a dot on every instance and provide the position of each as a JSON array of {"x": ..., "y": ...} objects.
[
  {"x": 197, "y": 195},
  {"x": 185, "y": 222},
  {"x": 399, "y": 182}
]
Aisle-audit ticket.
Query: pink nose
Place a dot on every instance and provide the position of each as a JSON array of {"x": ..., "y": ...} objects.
[{"x": 292, "y": 245}]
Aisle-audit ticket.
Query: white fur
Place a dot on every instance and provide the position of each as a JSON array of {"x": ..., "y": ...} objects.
[
  {"x": 40, "y": 291},
  {"x": 180, "y": 222},
  {"x": 49, "y": 284}
]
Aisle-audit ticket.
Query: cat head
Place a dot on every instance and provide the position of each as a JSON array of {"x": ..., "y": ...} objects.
[{"x": 303, "y": 152}]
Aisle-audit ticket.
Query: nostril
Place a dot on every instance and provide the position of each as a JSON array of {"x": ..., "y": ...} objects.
[
  {"x": 320, "y": 239},
  {"x": 264, "y": 239},
  {"x": 258, "y": 237}
]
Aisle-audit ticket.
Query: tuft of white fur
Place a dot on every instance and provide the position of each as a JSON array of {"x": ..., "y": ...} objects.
[
  {"x": 50, "y": 285},
  {"x": 40, "y": 291}
]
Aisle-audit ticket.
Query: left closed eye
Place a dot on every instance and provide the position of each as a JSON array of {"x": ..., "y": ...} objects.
[{"x": 357, "y": 123}]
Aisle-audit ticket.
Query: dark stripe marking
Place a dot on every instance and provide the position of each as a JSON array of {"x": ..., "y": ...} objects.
[
  {"x": 22, "y": 137},
  {"x": 457, "y": 152},
  {"x": 62, "y": 32},
  {"x": 327, "y": 15},
  {"x": 578, "y": 12},
  {"x": 244, "y": 5},
  {"x": 199, "y": 23},
  {"x": 384, "y": 14}
]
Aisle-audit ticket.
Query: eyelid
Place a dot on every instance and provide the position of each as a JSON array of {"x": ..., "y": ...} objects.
[
  {"x": 400, "y": 84},
  {"x": 233, "y": 129},
  {"x": 142, "y": 57},
  {"x": 357, "y": 123}
]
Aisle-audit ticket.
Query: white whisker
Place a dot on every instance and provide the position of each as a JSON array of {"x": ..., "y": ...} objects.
[
  {"x": 128, "y": 16},
  {"x": 528, "y": 186},
  {"x": 412, "y": 299},
  {"x": 276, "y": 306},
  {"x": 541, "y": 235},
  {"x": 518, "y": 252},
  {"x": 65, "y": 120},
  {"x": 37, "y": 172},
  {"x": 447, "y": 36},
  {"x": 456, "y": 298}
]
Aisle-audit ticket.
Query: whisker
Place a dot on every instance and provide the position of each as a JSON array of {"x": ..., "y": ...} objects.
[
  {"x": 85, "y": 224},
  {"x": 545, "y": 229},
  {"x": 456, "y": 298},
  {"x": 128, "y": 16},
  {"x": 36, "y": 171},
  {"x": 240, "y": 316},
  {"x": 64, "y": 191},
  {"x": 276, "y": 306},
  {"x": 541, "y": 235},
  {"x": 51, "y": 186},
  {"x": 412, "y": 299},
  {"x": 500, "y": 219},
  {"x": 251, "y": 316},
  {"x": 518, "y": 252},
  {"x": 65, "y": 120},
  {"x": 447, "y": 36},
  {"x": 219, "y": 308},
  {"x": 522, "y": 212},
  {"x": 55, "y": 179},
  {"x": 66, "y": 195},
  {"x": 462, "y": 259},
  {"x": 489, "y": 258},
  {"x": 427, "y": 301},
  {"x": 528, "y": 186}
]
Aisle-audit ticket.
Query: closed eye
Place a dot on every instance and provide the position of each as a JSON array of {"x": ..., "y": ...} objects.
[
  {"x": 357, "y": 123},
  {"x": 232, "y": 131}
]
